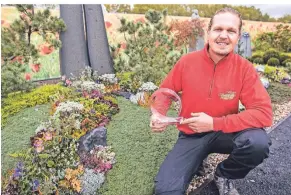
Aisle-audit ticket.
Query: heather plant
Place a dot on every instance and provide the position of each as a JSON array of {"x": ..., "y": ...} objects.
[{"x": 100, "y": 159}]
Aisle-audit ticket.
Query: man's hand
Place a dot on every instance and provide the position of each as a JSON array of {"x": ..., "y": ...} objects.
[
  {"x": 156, "y": 126},
  {"x": 199, "y": 122}
]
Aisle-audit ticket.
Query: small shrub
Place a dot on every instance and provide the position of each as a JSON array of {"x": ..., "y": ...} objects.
[
  {"x": 264, "y": 41},
  {"x": 254, "y": 56},
  {"x": 273, "y": 62},
  {"x": 285, "y": 62},
  {"x": 126, "y": 81},
  {"x": 284, "y": 57},
  {"x": 13, "y": 79},
  {"x": 288, "y": 66},
  {"x": 271, "y": 53},
  {"x": 258, "y": 60}
]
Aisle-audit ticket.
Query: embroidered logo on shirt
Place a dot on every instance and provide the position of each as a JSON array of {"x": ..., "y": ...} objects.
[{"x": 229, "y": 95}]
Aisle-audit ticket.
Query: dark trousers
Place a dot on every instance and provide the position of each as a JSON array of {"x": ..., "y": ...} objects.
[{"x": 247, "y": 149}]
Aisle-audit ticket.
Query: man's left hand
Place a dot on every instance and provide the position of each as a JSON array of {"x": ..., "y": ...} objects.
[{"x": 199, "y": 122}]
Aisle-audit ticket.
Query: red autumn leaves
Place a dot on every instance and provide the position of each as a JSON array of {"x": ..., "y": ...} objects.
[{"x": 186, "y": 30}]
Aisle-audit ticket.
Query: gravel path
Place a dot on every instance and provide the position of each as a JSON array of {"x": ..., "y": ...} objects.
[
  {"x": 280, "y": 113},
  {"x": 273, "y": 177}
]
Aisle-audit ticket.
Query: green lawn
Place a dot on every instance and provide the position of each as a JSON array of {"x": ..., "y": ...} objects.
[
  {"x": 139, "y": 152},
  {"x": 16, "y": 134}
]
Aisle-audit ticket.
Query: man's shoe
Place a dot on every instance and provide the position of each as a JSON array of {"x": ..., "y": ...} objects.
[{"x": 225, "y": 186}]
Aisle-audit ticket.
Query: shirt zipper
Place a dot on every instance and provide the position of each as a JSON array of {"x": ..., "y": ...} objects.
[{"x": 211, "y": 86}]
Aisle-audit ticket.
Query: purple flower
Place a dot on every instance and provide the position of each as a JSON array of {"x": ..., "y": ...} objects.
[
  {"x": 92, "y": 111},
  {"x": 18, "y": 170},
  {"x": 35, "y": 185}
]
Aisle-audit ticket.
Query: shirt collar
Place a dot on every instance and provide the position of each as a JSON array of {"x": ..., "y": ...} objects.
[{"x": 208, "y": 59}]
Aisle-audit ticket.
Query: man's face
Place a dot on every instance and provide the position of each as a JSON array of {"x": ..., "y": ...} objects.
[{"x": 224, "y": 34}]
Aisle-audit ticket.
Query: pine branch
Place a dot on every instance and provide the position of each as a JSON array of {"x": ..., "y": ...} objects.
[
  {"x": 25, "y": 10},
  {"x": 125, "y": 37}
]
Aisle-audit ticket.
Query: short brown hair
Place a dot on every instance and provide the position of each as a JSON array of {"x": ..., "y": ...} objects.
[{"x": 226, "y": 10}]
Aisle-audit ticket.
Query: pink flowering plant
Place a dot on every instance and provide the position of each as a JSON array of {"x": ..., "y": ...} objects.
[{"x": 100, "y": 159}]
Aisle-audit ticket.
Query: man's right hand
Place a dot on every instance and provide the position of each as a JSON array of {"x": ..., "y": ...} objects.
[{"x": 156, "y": 126}]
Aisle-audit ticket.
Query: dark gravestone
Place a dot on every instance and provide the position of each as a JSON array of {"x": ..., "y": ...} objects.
[
  {"x": 98, "y": 48},
  {"x": 92, "y": 138},
  {"x": 73, "y": 53},
  {"x": 244, "y": 45},
  {"x": 196, "y": 43}
]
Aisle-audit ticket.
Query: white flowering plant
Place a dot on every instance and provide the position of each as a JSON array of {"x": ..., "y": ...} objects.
[
  {"x": 88, "y": 86},
  {"x": 148, "y": 87},
  {"x": 108, "y": 79},
  {"x": 66, "y": 109},
  {"x": 144, "y": 92}
]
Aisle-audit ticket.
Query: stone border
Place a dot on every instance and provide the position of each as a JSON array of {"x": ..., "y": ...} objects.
[
  {"x": 200, "y": 188},
  {"x": 278, "y": 124},
  {"x": 47, "y": 81}
]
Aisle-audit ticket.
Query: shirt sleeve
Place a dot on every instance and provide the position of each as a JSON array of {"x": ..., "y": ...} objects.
[{"x": 255, "y": 98}]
